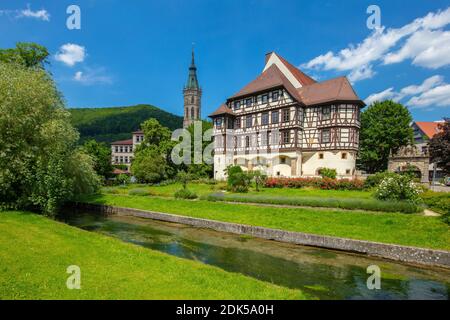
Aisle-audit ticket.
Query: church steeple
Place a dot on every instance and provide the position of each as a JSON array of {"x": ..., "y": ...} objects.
[
  {"x": 192, "y": 96},
  {"x": 192, "y": 82}
]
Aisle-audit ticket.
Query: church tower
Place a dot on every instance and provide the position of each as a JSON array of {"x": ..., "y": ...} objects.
[{"x": 192, "y": 96}]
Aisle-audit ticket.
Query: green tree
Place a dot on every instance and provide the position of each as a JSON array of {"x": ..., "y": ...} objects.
[
  {"x": 152, "y": 157},
  {"x": 200, "y": 170},
  {"x": 27, "y": 54},
  {"x": 149, "y": 166},
  {"x": 385, "y": 127},
  {"x": 40, "y": 164},
  {"x": 101, "y": 155},
  {"x": 439, "y": 147}
]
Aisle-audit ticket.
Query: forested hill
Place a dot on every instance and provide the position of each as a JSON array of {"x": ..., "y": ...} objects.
[{"x": 117, "y": 123}]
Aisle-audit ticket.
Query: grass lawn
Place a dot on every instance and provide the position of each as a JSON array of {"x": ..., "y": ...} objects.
[
  {"x": 35, "y": 252},
  {"x": 397, "y": 228}
]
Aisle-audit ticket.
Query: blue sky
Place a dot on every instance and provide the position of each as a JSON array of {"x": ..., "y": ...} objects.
[{"x": 130, "y": 52}]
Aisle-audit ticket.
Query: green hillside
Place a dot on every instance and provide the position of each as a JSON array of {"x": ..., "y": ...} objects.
[{"x": 117, "y": 123}]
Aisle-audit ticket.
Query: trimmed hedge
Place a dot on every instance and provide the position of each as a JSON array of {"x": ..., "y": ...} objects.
[
  {"x": 320, "y": 183},
  {"x": 340, "y": 203}
]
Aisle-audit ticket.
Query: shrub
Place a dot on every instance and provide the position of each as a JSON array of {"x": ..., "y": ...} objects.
[
  {"x": 185, "y": 194},
  {"x": 328, "y": 173},
  {"x": 398, "y": 187},
  {"x": 321, "y": 183},
  {"x": 138, "y": 192},
  {"x": 110, "y": 190},
  {"x": 238, "y": 180},
  {"x": 374, "y": 180},
  {"x": 123, "y": 179},
  {"x": 437, "y": 201}
]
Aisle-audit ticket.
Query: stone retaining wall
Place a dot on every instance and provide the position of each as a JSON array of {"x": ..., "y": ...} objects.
[{"x": 389, "y": 251}]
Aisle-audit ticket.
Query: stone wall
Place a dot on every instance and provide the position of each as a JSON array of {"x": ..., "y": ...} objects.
[{"x": 389, "y": 251}]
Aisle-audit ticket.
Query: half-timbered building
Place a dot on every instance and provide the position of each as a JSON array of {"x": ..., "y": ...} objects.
[{"x": 286, "y": 124}]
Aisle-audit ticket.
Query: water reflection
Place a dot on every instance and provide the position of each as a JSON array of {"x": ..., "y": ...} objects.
[{"x": 322, "y": 273}]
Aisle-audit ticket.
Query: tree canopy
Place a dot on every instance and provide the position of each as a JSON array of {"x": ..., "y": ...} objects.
[
  {"x": 101, "y": 155},
  {"x": 29, "y": 55},
  {"x": 40, "y": 165},
  {"x": 385, "y": 127},
  {"x": 439, "y": 147}
]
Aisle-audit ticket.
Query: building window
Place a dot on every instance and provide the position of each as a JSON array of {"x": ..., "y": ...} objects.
[
  {"x": 131, "y": 148},
  {"x": 286, "y": 137},
  {"x": 264, "y": 138},
  {"x": 126, "y": 159},
  {"x": 275, "y": 137},
  {"x": 237, "y": 105},
  {"x": 248, "y": 102},
  {"x": 347, "y": 171},
  {"x": 265, "y": 118},
  {"x": 283, "y": 160},
  {"x": 121, "y": 159},
  {"x": 275, "y": 96},
  {"x": 121, "y": 149},
  {"x": 192, "y": 99},
  {"x": 326, "y": 113},
  {"x": 264, "y": 98},
  {"x": 116, "y": 148},
  {"x": 116, "y": 159},
  {"x": 300, "y": 116},
  {"x": 286, "y": 115},
  {"x": 219, "y": 122},
  {"x": 321, "y": 156},
  {"x": 275, "y": 116},
  {"x": 237, "y": 123},
  {"x": 326, "y": 136},
  {"x": 344, "y": 155},
  {"x": 248, "y": 121},
  {"x": 247, "y": 141}
]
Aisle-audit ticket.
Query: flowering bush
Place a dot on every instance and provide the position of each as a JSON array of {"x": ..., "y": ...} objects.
[
  {"x": 321, "y": 183},
  {"x": 398, "y": 187}
]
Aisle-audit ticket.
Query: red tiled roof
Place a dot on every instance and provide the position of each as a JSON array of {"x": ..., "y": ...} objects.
[
  {"x": 338, "y": 89},
  {"x": 271, "y": 78},
  {"x": 120, "y": 171},
  {"x": 303, "y": 78},
  {"x": 429, "y": 128},
  {"x": 223, "y": 109},
  {"x": 122, "y": 142}
]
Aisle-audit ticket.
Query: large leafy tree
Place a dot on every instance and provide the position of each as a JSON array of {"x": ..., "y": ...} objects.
[
  {"x": 152, "y": 157},
  {"x": 439, "y": 147},
  {"x": 200, "y": 170},
  {"x": 40, "y": 164},
  {"x": 29, "y": 55},
  {"x": 385, "y": 128},
  {"x": 101, "y": 155}
]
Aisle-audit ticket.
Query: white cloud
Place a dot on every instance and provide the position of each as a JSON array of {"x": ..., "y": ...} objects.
[
  {"x": 92, "y": 76},
  {"x": 364, "y": 72},
  {"x": 39, "y": 14},
  {"x": 359, "y": 59},
  {"x": 432, "y": 92},
  {"x": 70, "y": 54},
  {"x": 439, "y": 96},
  {"x": 387, "y": 94}
]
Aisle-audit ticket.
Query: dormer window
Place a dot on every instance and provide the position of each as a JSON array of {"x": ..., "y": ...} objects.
[
  {"x": 248, "y": 102},
  {"x": 275, "y": 95},
  {"x": 237, "y": 105}
]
